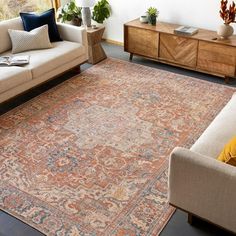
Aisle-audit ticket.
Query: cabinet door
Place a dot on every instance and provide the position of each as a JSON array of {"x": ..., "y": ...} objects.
[
  {"x": 179, "y": 50},
  {"x": 142, "y": 42},
  {"x": 216, "y": 58}
]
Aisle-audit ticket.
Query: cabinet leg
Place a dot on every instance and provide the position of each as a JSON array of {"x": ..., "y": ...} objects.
[
  {"x": 190, "y": 218},
  {"x": 131, "y": 56}
]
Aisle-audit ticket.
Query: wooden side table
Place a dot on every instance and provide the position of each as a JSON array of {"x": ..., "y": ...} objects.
[{"x": 95, "y": 50}]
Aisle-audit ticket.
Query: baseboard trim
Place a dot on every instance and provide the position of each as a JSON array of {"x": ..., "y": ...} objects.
[{"x": 113, "y": 42}]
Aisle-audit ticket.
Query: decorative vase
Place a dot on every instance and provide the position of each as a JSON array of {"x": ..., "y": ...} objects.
[
  {"x": 152, "y": 19},
  {"x": 225, "y": 31}
]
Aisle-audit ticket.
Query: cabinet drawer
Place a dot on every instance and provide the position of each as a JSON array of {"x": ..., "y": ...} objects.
[
  {"x": 179, "y": 50},
  {"x": 142, "y": 42},
  {"x": 216, "y": 58}
]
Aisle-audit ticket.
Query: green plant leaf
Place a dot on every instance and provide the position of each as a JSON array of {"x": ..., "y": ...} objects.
[
  {"x": 101, "y": 11},
  {"x": 69, "y": 11},
  {"x": 152, "y": 11}
]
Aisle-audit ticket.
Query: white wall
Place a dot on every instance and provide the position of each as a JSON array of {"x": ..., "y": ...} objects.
[{"x": 198, "y": 13}]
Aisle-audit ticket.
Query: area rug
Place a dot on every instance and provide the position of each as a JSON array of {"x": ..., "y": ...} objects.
[{"x": 90, "y": 156}]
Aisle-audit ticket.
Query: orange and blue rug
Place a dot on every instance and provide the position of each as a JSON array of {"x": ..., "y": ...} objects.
[{"x": 90, "y": 156}]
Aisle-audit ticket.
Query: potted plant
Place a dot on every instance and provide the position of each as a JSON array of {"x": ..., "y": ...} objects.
[
  {"x": 228, "y": 16},
  {"x": 70, "y": 12},
  {"x": 101, "y": 11},
  {"x": 152, "y": 13}
]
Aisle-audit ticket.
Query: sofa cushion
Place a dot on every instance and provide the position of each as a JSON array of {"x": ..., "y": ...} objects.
[
  {"x": 13, "y": 76},
  {"x": 47, "y": 60},
  {"x": 5, "y": 41},
  {"x": 32, "y": 21},
  {"x": 219, "y": 132},
  {"x": 43, "y": 61},
  {"x": 35, "y": 39}
]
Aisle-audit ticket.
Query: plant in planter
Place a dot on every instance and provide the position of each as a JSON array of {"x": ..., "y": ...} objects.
[
  {"x": 228, "y": 16},
  {"x": 70, "y": 12},
  {"x": 152, "y": 15},
  {"x": 101, "y": 11}
]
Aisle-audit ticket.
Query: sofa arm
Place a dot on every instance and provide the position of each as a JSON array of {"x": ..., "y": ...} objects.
[
  {"x": 203, "y": 186},
  {"x": 73, "y": 33}
]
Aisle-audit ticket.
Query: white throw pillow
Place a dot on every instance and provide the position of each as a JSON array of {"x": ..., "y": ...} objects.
[{"x": 35, "y": 39}]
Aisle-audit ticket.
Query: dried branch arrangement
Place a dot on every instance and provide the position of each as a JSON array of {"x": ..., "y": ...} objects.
[{"x": 227, "y": 14}]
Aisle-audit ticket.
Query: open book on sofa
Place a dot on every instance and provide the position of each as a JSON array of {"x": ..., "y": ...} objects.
[{"x": 14, "y": 60}]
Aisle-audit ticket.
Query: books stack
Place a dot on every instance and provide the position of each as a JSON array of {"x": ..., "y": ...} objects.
[{"x": 186, "y": 30}]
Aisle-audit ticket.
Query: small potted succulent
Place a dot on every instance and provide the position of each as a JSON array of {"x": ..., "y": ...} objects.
[
  {"x": 228, "y": 16},
  {"x": 70, "y": 12},
  {"x": 101, "y": 11},
  {"x": 152, "y": 13}
]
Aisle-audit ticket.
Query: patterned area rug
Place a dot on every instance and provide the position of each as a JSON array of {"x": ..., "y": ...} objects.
[{"x": 90, "y": 156}]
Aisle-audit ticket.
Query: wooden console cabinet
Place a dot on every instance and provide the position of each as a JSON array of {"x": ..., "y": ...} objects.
[{"x": 202, "y": 52}]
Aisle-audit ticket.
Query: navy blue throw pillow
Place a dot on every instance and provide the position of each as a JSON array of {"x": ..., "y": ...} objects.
[{"x": 32, "y": 21}]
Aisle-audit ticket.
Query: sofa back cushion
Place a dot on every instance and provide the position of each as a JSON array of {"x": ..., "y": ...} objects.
[{"x": 5, "y": 41}]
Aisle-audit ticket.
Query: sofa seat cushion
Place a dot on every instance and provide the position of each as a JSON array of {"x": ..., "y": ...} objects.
[
  {"x": 13, "y": 76},
  {"x": 43, "y": 61},
  {"x": 219, "y": 132}
]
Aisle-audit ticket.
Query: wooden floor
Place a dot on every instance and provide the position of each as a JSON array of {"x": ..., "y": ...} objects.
[{"x": 177, "y": 226}]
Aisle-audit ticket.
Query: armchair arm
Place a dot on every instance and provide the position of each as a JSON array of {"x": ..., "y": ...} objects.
[
  {"x": 73, "y": 33},
  {"x": 203, "y": 186}
]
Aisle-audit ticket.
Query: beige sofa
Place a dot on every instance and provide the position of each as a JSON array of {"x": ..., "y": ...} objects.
[
  {"x": 44, "y": 64},
  {"x": 202, "y": 185}
]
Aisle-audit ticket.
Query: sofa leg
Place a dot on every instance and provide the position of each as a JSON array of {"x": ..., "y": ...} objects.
[
  {"x": 190, "y": 218},
  {"x": 77, "y": 69},
  {"x": 227, "y": 79}
]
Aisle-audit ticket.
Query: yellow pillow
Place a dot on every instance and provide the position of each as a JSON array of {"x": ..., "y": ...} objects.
[{"x": 228, "y": 155}]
